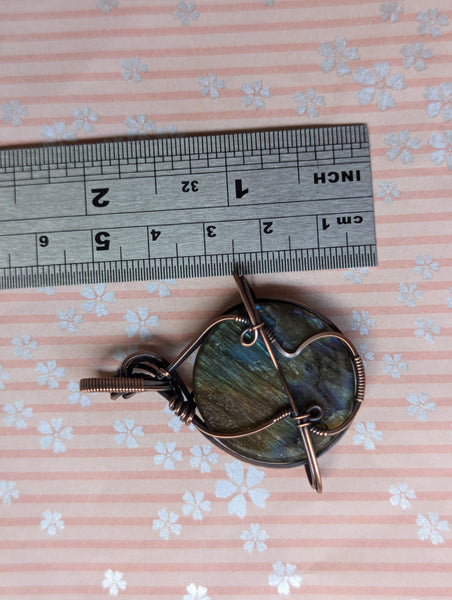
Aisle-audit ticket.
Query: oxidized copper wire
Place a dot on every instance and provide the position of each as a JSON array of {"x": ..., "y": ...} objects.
[{"x": 141, "y": 372}]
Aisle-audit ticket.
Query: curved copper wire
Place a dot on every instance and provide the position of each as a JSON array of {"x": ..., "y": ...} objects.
[{"x": 146, "y": 372}]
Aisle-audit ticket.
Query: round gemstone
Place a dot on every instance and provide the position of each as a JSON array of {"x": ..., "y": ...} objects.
[{"x": 237, "y": 387}]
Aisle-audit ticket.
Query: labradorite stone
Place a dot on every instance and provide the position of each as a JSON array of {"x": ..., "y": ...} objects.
[{"x": 237, "y": 387}]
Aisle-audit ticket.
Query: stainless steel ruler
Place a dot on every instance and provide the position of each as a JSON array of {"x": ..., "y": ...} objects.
[{"x": 186, "y": 206}]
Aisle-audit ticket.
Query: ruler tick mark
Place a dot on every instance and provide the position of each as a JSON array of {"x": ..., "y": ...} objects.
[{"x": 261, "y": 161}]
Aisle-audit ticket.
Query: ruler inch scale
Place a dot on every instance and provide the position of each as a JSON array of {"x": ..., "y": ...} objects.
[{"x": 263, "y": 201}]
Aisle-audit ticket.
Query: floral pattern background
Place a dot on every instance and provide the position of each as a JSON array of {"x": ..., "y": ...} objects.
[{"x": 102, "y": 499}]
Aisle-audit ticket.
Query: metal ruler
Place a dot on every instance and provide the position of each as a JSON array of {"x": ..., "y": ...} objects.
[{"x": 186, "y": 206}]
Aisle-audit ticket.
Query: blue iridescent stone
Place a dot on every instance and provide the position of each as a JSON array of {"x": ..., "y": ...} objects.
[{"x": 237, "y": 387}]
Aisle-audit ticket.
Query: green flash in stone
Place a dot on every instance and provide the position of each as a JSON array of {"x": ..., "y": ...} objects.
[{"x": 236, "y": 386}]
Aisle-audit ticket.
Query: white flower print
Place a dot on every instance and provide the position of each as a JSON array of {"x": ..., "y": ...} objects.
[
  {"x": 284, "y": 578},
  {"x": 17, "y": 414},
  {"x": 375, "y": 83},
  {"x": 120, "y": 354},
  {"x": 161, "y": 286},
  {"x": 367, "y": 435},
  {"x": 167, "y": 454},
  {"x": 127, "y": 432},
  {"x": 241, "y": 485},
  {"x": 24, "y": 346},
  {"x": 356, "y": 274},
  {"x": 430, "y": 22},
  {"x": 141, "y": 323},
  {"x": 107, "y": 5},
  {"x": 425, "y": 266},
  {"x": 430, "y": 528},
  {"x": 48, "y": 290},
  {"x": 50, "y": 374},
  {"x": 308, "y": 102},
  {"x": 139, "y": 125},
  {"x": 449, "y": 299},
  {"x": 4, "y": 376},
  {"x": 58, "y": 132},
  {"x": 97, "y": 299},
  {"x": 175, "y": 423},
  {"x": 409, "y": 294},
  {"x": 388, "y": 191},
  {"x": 210, "y": 84},
  {"x": 401, "y": 495},
  {"x": 203, "y": 457},
  {"x": 443, "y": 145},
  {"x": 170, "y": 129},
  {"x": 76, "y": 396},
  {"x": 166, "y": 524},
  {"x": 362, "y": 321},
  {"x": 255, "y": 94},
  {"x": 419, "y": 405},
  {"x": 8, "y": 491},
  {"x": 84, "y": 119},
  {"x": 114, "y": 582},
  {"x": 426, "y": 329},
  {"x": 441, "y": 101},
  {"x": 195, "y": 505},
  {"x": 52, "y": 522},
  {"x": 391, "y": 11},
  {"x": 186, "y": 11},
  {"x": 336, "y": 55},
  {"x": 132, "y": 69},
  {"x": 415, "y": 55},
  {"x": 196, "y": 592},
  {"x": 54, "y": 434},
  {"x": 13, "y": 112},
  {"x": 69, "y": 320},
  {"x": 255, "y": 538},
  {"x": 365, "y": 354},
  {"x": 401, "y": 145},
  {"x": 394, "y": 365}
]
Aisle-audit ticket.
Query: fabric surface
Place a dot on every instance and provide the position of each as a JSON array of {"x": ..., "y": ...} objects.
[{"x": 100, "y": 498}]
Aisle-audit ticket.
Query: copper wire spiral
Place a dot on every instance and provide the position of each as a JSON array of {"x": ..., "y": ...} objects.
[
  {"x": 247, "y": 323},
  {"x": 183, "y": 408},
  {"x": 113, "y": 385},
  {"x": 141, "y": 372},
  {"x": 361, "y": 383}
]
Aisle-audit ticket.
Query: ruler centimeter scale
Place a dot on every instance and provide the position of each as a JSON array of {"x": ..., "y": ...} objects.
[{"x": 186, "y": 206}]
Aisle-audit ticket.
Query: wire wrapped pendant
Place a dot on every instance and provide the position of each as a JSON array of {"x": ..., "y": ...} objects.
[{"x": 274, "y": 383}]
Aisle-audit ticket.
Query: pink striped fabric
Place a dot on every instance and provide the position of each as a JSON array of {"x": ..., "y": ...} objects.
[{"x": 100, "y": 498}]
